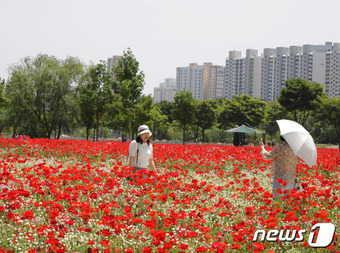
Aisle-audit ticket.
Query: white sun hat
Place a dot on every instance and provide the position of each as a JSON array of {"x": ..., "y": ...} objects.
[{"x": 143, "y": 129}]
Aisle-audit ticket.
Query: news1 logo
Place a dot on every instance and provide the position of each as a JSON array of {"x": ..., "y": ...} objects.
[{"x": 324, "y": 238}]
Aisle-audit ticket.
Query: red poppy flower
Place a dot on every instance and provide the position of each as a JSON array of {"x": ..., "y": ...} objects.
[
  {"x": 105, "y": 243},
  {"x": 27, "y": 215}
]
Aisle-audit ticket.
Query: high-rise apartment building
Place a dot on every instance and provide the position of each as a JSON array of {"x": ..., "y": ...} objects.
[
  {"x": 275, "y": 71},
  {"x": 252, "y": 76},
  {"x": 217, "y": 82},
  {"x": 263, "y": 76},
  {"x": 235, "y": 66},
  {"x": 243, "y": 74},
  {"x": 280, "y": 69},
  {"x": 191, "y": 78},
  {"x": 308, "y": 62},
  {"x": 314, "y": 62},
  {"x": 294, "y": 62},
  {"x": 206, "y": 79},
  {"x": 267, "y": 75},
  {"x": 332, "y": 77},
  {"x": 166, "y": 91}
]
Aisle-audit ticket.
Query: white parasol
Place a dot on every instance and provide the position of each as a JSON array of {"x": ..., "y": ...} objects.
[{"x": 299, "y": 139}]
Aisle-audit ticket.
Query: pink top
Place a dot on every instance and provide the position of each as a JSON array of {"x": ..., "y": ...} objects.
[{"x": 284, "y": 162}]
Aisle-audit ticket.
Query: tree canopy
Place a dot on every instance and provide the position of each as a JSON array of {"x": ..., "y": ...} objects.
[
  {"x": 242, "y": 110},
  {"x": 40, "y": 93},
  {"x": 45, "y": 96},
  {"x": 184, "y": 110},
  {"x": 129, "y": 83},
  {"x": 329, "y": 113},
  {"x": 301, "y": 98}
]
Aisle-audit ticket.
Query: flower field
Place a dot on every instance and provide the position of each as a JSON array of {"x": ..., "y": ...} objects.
[{"x": 74, "y": 196}]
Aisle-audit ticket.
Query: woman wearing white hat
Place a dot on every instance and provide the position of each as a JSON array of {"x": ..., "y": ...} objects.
[{"x": 140, "y": 150}]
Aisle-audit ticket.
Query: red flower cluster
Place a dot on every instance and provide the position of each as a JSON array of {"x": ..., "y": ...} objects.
[{"x": 74, "y": 196}]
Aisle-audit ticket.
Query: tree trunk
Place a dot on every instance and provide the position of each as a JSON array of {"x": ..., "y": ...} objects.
[
  {"x": 59, "y": 132},
  {"x": 87, "y": 133},
  {"x": 162, "y": 135},
  {"x": 97, "y": 127},
  {"x": 94, "y": 133},
  {"x": 195, "y": 134},
  {"x": 203, "y": 135},
  {"x": 184, "y": 135}
]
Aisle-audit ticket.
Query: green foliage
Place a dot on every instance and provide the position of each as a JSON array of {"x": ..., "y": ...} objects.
[
  {"x": 159, "y": 123},
  {"x": 329, "y": 114},
  {"x": 301, "y": 98},
  {"x": 39, "y": 99},
  {"x": 87, "y": 111},
  {"x": 274, "y": 111},
  {"x": 95, "y": 96},
  {"x": 3, "y": 100},
  {"x": 143, "y": 112},
  {"x": 205, "y": 116},
  {"x": 3, "y": 105},
  {"x": 166, "y": 109},
  {"x": 184, "y": 110},
  {"x": 41, "y": 95},
  {"x": 128, "y": 83},
  {"x": 242, "y": 110}
]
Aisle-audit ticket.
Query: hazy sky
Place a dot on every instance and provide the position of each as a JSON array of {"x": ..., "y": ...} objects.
[{"x": 162, "y": 34}]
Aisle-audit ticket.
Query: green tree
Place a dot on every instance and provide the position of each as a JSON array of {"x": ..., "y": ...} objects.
[
  {"x": 162, "y": 118},
  {"x": 242, "y": 110},
  {"x": 166, "y": 109},
  {"x": 143, "y": 112},
  {"x": 205, "y": 116},
  {"x": 87, "y": 111},
  {"x": 274, "y": 111},
  {"x": 96, "y": 92},
  {"x": 329, "y": 113},
  {"x": 129, "y": 83},
  {"x": 3, "y": 105},
  {"x": 64, "y": 107},
  {"x": 301, "y": 98},
  {"x": 159, "y": 123},
  {"x": 40, "y": 93},
  {"x": 3, "y": 100},
  {"x": 184, "y": 110}
]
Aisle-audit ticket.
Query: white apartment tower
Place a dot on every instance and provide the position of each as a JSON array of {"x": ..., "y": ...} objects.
[
  {"x": 268, "y": 91},
  {"x": 243, "y": 75},
  {"x": 235, "y": 66},
  {"x": 252, "y": 76},
  {"x": 206, "y": 79},
  {"x": 191, "y": 78},
  {"x": 280, "y": 69},
  {"x": 332, "y": 77},
  {"x": 166, "y": 91},
  {"x": 294, "y": 62},
  {"x": 307, "y": 62},
  {"x": 217, "y": 82},
  {"x": 314, "y": 62}
]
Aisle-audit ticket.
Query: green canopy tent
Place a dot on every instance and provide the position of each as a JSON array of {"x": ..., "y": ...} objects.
[{"x": 239, "y": 133}]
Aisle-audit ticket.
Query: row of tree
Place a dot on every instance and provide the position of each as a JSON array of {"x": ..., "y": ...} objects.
[
  {"x": 300, "y": 100},
  {"x": 45, "y": 97}
]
